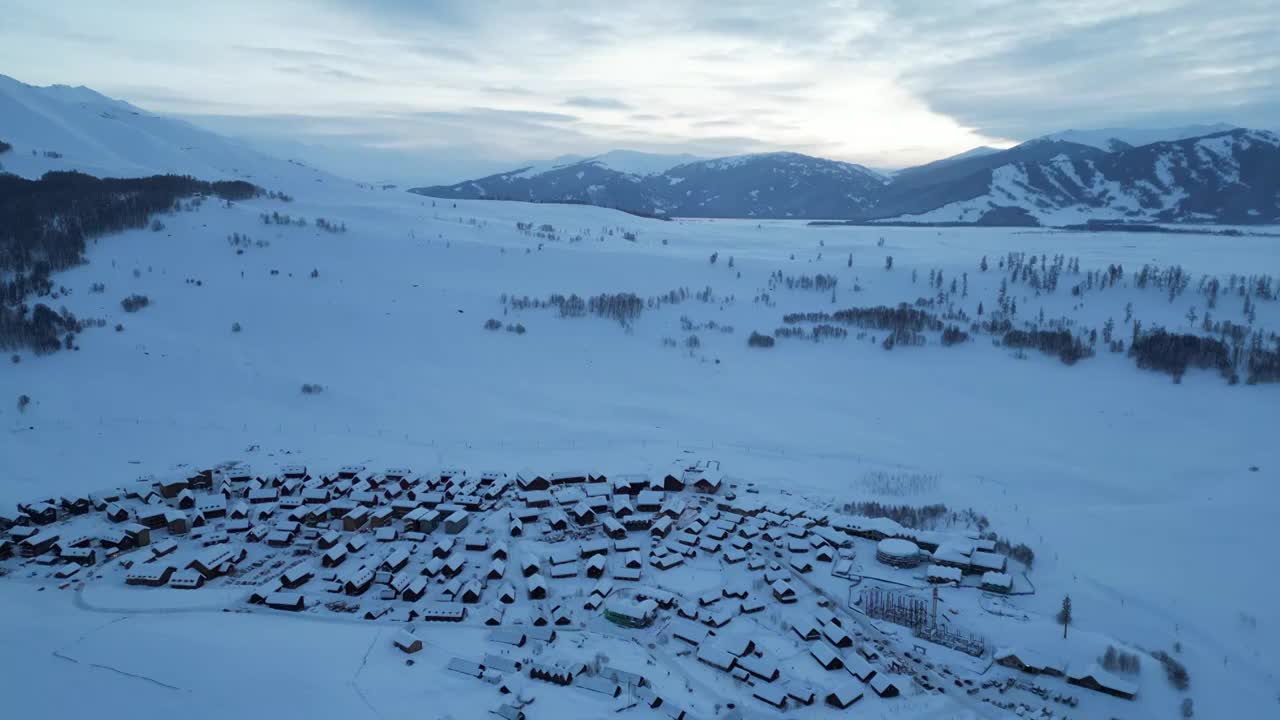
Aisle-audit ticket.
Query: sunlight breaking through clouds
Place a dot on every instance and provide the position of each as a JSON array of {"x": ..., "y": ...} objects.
[{"x": 469, "y": 87}]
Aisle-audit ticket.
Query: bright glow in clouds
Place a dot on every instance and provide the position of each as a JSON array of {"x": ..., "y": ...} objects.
[{"x": 439, "y": 90}]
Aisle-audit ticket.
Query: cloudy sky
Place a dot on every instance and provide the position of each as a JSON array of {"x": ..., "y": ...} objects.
[{"x": 436, "y": 91}]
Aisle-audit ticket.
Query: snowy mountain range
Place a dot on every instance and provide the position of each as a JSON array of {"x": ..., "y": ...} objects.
[
  {"x": 1202, "y": 174},
  {"x": 1230, "y": 177},
  {"x": 1195, "y": 174},
  {"x": 74, "y": 128},
  {"x": 772, "y": 185}
]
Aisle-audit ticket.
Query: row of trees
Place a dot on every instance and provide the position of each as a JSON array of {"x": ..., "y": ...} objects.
[
  {"x": 278, "y": 218},
  {"x": 1067, "y": 347},
  {"x": 903, "y": 317},
  {"x": 1121, "y": 661},
  {"x": 1173, "y": 353},
  {"x": 39, "y": 329},
  {"x": 623, "y": 307},
  {"x": 820, "y": 281},
  {"x": 135, "y": 302},
  {"x": 816, "y": 333}
]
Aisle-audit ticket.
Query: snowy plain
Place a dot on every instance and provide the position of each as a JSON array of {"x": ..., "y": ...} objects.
[{"x": 1136, "y": 494}]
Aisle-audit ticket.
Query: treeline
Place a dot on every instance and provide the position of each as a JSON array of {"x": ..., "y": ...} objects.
[
  {"x": 329, "y": 226},
  {"x": 1173, "y": 353},
  {"x": 1038, "y": 272},
  {"x": 800, "y": 282},
  {"x": 5, "y": 147},
  {"x": 903, "y": 317},
  {"x": 932, "y": 517},
  {"x": 623, "y": 307},
  {"x": 1067, "y": 347},
  {"x": 1120, "y": 661},
  {"x": 903, "y": 323},
  {"x": 1174, "y": 281},
  {"x": 39, "y": 329},
  {"x": 1262, "y": 365},
  {"x": 278, "y": 218},
  {"x": 816, "y": 333},
  {"x": 953, "y": 335},
  {"x": 918, "y": 517},
  {"x": 45, "y": 224},
  {"x": 135, "y": 302}
]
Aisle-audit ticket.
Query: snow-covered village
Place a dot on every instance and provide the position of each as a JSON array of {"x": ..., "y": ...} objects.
[
  {"x": 564, "y": 361},
  {"x": 688, "y": 593}
]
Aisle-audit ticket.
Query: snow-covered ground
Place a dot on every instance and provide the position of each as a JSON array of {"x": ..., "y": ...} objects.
[{"x": 1136, "y": 493}]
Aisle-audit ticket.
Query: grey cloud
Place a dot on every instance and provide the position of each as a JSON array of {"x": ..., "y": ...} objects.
[
  {"x": 507, "y": 90},
  {"x": 292, "y": 54},
  {"x": 715, "y": 123},
  {"x": 325, "y": 72},
  {"x": 596, "y": 103},
  {"x": 1144, "y": 68},
  {"x": 498, "y": 114}
]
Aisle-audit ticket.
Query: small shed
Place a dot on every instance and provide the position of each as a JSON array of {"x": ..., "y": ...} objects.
[
  {"x": 508, "y": 636},
  {"x": 885, "y": 686},
  {"x": 843, "y": 694},
  {"x": 286, "y": 601},
  {"x": 407, "y": 642},
  {"x": 1095, "y": 678},
  {"x": 826, "y": 656}
]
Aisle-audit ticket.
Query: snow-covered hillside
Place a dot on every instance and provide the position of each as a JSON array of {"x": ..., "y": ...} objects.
[
  {"x": 765, "y": 185},
  {"x": 1227, "y": 177},
  {"x": 74, "y": 128}
]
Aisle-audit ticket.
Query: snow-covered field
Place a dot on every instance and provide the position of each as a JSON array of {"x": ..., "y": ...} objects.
[{"x": 1136, "y": 493}]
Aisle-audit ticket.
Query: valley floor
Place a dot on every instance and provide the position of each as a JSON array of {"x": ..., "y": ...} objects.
[{"x": 1139, "y": 496}]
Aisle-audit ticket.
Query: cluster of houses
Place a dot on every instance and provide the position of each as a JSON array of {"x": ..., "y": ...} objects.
[
  {"x": 39, "y": 532},
  {"x": 522, "y": 653},
  {"x": 1091, "y": 676},
  {"x": 455, "y": 546},
  {"x": 831, "y": 647}
]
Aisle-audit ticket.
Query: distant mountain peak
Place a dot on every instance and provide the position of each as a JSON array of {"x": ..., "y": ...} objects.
[
  {"x": 1117, "y": 138},
  {"x": 774, "y": 185}
]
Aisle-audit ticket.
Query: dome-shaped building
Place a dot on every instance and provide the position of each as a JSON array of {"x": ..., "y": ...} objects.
[{"x": 898, "y": 553}]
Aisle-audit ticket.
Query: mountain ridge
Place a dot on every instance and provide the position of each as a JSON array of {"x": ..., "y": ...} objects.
[
  {"x": 61, "y": 127},
  {"x": 1225, "y": 177}
]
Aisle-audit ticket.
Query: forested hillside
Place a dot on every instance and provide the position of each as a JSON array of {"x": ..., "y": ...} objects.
[{"x": 45, "y": 223}]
